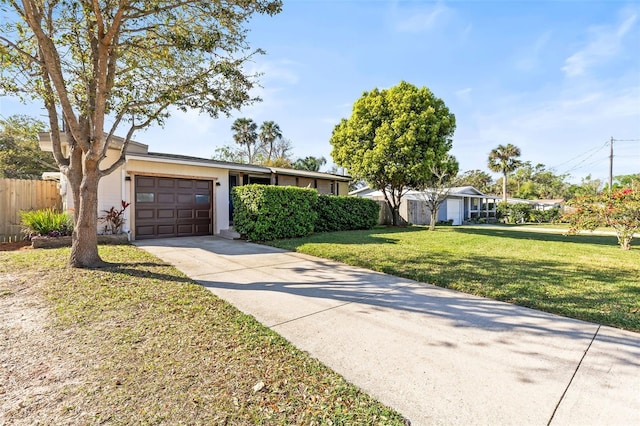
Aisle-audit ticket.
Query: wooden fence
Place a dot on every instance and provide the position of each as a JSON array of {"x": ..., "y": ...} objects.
[{"x": 19, "y": 194}]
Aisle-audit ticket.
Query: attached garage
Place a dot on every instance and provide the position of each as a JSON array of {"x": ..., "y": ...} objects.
[
  {"x": 173, "y": 195},
  {"x": 172, "y": 207}
]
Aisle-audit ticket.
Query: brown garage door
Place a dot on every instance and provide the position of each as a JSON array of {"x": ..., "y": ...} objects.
[{"x": 169, "y": 207}]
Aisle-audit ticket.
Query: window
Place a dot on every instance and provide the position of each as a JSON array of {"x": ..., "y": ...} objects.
[
  {"x": 145, "y": 197},
  {"x": 202, "y": 199}
]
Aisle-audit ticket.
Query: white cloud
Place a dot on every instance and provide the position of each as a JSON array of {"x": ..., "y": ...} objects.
[
  {"x": 464, "y": 94},
  {"x": 557, "y": 128},
  {"x": 420, "y": 19},
  {"x": 529, "y": 57},
  {"x": 282, "y": 72},
  {"x": 605, "y": 42}
]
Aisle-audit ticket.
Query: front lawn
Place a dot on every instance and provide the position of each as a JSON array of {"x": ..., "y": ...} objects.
[
  {"x": 140, "y": 343},
  {"x": 586, "y": 277}
]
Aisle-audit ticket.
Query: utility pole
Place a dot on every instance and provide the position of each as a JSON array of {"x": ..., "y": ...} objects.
[{"x": 611, "y": 164}]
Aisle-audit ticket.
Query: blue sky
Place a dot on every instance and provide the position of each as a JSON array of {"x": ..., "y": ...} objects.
[{"x": 556, "y": 78}]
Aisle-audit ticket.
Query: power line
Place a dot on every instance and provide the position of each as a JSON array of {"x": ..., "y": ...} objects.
[
  {"x": 581, "y": 163},
  {"x": 599, "y": 147}
]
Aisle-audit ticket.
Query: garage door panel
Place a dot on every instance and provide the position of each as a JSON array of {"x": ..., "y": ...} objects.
[
  {"x": 145, "y": 213},
  {"x": 145, "y": 182},
  {"x": 164, "y": 198},
  {"x": 166, "y": 213},
  {"x": 145, "y": 231},
  {"x": 185, "y": 198},
  {"x": 202, "y": 214},
  {"x": 166, "y": 230},
  {"x": 166, "y": 183},
  {"x": 185, "y": 229},
  {"x": 185, "y": 214},
  {"x": 201, "y": 229},
  {"x": 169, "y": 207},
  {"x": 203, "y": 199}
]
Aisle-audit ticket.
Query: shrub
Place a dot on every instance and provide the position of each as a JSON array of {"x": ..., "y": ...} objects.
[
  {"x": 265, "y": 212},
  {"x": 514, "y": 213},
  {"x": 545, "y": 216},
  {"x": 339, "y": 213},
  {"x": 114, "y": 218},
  {"x": 46, "y": 222},
  {"x": 619, "y": 209}
]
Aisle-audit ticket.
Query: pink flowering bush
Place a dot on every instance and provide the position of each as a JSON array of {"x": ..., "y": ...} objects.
[{"x": 619, "y": 209}]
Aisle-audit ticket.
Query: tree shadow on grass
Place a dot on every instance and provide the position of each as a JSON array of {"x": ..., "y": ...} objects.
[
  {"x": 357, "y": 237},
  {"x": 145, "y": 270},
  {"x": 608, "y": 240},
  {"x": 380, "y": 293}
]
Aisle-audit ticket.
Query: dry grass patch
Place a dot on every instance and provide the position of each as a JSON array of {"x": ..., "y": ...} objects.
[{"x": 139, "y": 343}]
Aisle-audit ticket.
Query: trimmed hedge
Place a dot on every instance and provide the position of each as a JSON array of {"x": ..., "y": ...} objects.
[
  {"x": 265, "y": 212},
  {"x": 339, "y": 213}
]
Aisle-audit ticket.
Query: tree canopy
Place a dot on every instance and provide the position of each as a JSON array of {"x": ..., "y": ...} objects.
[
  {"x": 108, "y": 66},
  {"x": 479, "y": 179},
  {"x": 504, "y": 159},
  {"x": 436, "y": 188},
  {"x": 618, "y": 208},
  {"x": 310, "y": 163},
  {"x": 245, "y": 133},
  {"x": 269, "y": 134},
  {"x": 266, "y": 147},
  {"x": 393, "y": 140},
  {"x": 20, "y": 154}
]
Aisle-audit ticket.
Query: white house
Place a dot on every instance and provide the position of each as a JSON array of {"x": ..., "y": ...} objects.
[
  {"x": 174, "y": 195},
  {"x": 461, "y": 204}
]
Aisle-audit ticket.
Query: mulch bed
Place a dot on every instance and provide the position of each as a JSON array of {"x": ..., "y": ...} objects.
[{"x": 16, "y": 245}]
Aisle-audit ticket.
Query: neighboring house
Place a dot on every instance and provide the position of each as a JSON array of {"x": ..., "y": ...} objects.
[
  {"x": 175, "y": 195},
  {"x": 461, "y": 204},
  {"x": 546, "y": 204}
]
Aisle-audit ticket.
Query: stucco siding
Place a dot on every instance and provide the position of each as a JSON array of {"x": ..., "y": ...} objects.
[
  {"x": 324, "y": 186},
  {"x": 304, "y": 182},
  {"x": 284, "y": 180},
  {"x": 343, "y": 188}
]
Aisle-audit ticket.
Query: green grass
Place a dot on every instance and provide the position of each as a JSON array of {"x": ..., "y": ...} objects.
[
  {"x": 585, "y": 276},
  {"x": 157, "y": 348}
]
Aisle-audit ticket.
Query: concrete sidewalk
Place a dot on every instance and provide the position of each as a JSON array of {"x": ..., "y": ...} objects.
[{"x": 435, "y": 355}]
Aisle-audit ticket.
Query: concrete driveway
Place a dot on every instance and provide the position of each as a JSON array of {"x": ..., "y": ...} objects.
[{"x": 435, "y": 355}]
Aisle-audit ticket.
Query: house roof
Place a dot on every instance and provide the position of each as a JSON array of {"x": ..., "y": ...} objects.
[
  {"x": 185, "y": 159},
  {"x": 310, "y": 174},
  {"x": 458, "y": 191},
  {"x": 44, "y": 140},
  {"x": 140, "y": 151}
]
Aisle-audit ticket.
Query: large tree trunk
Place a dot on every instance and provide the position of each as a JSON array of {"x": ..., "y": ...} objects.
[
  {"x": 624, "y": 239},
  {"x": 433, "y": 219},
  {"x": 504, "y": 188},
  {"x": 74, "y": 176},
  {"x": 84, "y": 248},
  {"x": 396, "y": 220}
]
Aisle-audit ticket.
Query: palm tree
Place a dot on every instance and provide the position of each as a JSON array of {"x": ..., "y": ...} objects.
[
  {"x": 245, "y": 135},
  {"x": 310, "y": 163},
  {"x": 269, "y": 133},
  {"x": 503, "y": 159}
]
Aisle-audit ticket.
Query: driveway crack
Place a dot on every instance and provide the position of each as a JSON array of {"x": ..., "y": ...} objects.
[{"x": 574, "y": 375}]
